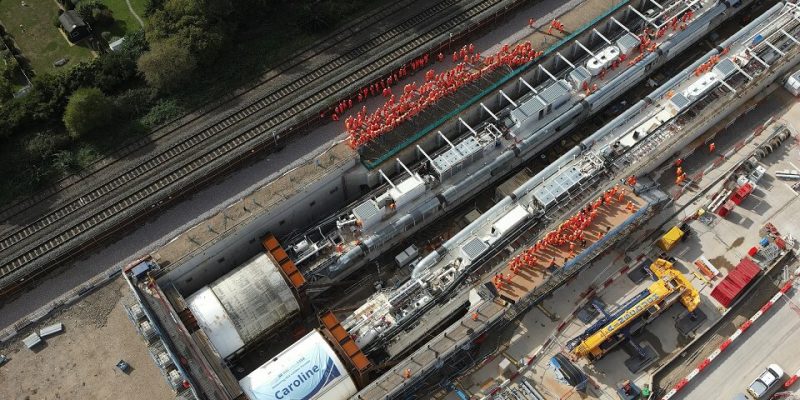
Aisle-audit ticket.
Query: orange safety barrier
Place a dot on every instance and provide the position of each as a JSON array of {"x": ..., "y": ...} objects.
[
  {"x": 273, "y": 247},
  {"x": 345, "y": 342}
]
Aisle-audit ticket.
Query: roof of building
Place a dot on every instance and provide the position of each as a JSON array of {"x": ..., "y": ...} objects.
[{"x": 71, "y": 20}]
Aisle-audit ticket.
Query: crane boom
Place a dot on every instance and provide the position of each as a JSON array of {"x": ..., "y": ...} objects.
[{"x": 669, "y": 283}]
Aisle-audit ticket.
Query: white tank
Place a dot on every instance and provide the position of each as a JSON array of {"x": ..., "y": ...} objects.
[
  {"x": 244, "y": 304},
  {"x": 602, "y": 59},
  {"x": 366, "y": 337}
]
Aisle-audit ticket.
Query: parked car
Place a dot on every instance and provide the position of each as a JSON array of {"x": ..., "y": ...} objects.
[{"x": 765, "y": 385}]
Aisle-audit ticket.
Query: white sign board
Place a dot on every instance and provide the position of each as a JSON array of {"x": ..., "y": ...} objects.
[{"x": 309, "y": 369}]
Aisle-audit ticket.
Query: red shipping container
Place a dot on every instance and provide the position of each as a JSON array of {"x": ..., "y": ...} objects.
[
  {"x": 740, "y": 194},
  {"x": 736, "y": 280},
  {"x": 726, "y": 208}
]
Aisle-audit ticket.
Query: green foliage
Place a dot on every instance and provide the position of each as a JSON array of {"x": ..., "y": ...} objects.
[
  {"x": 185, "y": 34},
  {"x": 135, "y": 44},
  {"x": 114, "y": 71},
  {"x": 167, "y": 65},
  {"x": 84, "y": 157},
  {"x": 161, "y": 112},
  {"x": 133, "y": 103},
  {"x": 44, "y": 144},
  {"x": 152, "y": 6},
  {"x": 56, "y": 21},
  {"x": 102, "y": 17},
  {"x": 86, "y": 9},
  {"x": 63, "y": 161},
  {"x": 6, "y": 90},
  {"x": 88, "y": 109}
]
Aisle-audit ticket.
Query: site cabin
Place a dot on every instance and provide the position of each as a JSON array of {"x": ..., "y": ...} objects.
[{"x": 74, "y": 26}]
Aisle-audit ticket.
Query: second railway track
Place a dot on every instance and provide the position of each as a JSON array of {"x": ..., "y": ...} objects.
[
  {"x": 169, "y": 167},
  {"x": 213, "y": 131}
]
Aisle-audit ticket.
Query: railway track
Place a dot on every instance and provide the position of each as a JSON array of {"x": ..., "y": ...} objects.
[
  {"x": 168, "y": 130},
  {"x": 258, "y": 122}
]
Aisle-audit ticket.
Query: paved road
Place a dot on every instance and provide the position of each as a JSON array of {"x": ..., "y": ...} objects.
[
  {"x": 773, "y": 339},
  {"x": 167, "y": 224}
]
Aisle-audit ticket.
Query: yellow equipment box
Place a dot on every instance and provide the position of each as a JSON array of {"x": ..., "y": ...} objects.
[{"x": 671, "y": 238}]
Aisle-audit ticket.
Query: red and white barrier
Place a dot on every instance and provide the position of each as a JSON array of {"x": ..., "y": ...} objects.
[{"x": 745, "y": 325}]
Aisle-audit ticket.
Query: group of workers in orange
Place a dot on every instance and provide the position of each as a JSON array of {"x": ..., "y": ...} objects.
[
  {"x": 706, "y": 66},
  {"x": 557, "y": 25},
  {"x": 571, "y": 233},
  {"x": 382, "y": 87},
  {"x": 365, "y": 127}
]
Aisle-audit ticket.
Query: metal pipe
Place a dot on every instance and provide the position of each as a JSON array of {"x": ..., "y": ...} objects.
[
  {"x": 467, "y": 125},
  {"x": 623, "y": 26},
  {"x": 407, "y": 170},
  {"x": 571, "y": 65},
  {"x": 749, "y": 78},
  {"x": 584, "y": 48},
  {"x": 490, "y": 112},
  {"x": 790, "y": 36},
  {"x": 601, "y": 35},
  {"x": 508, "y": 98},
  {"x": 449, "y": 142},
  {"x": 425, "y": 154},
  {"x": 548, "y": 73},
  {"x": 387, "y": 178},
  {"x": 645, "y": 19},
  {"x": 767, "y": 42}
]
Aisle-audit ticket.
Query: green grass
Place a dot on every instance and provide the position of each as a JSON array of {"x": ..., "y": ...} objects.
[
  {"x": 39, "y": 40},
  {"x": 125, "y": 21}
]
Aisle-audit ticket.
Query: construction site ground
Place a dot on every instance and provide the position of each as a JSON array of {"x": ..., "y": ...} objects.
[
  {"x": 772, "y": 339},
  {"x": 80, "y": 363},
  {"x": 722, "y": 241}
]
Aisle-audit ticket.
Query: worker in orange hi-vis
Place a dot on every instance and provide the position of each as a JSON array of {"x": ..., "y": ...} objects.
[
  {"x": 474, "y": 315},
  {"x": 679, "y": 171},
  {"x": 407, "y": 373},
  {"x": 712, "y": 147}
]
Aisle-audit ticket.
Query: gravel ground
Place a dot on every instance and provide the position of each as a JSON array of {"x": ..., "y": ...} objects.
[{"x": 80, "y": 362}]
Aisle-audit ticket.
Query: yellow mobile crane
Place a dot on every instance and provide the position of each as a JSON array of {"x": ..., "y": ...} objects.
[{"x": 602, "y": 336}]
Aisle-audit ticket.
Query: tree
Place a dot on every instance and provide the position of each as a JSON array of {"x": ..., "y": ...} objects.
[
  {"x": 6, "y": 91},
  {"x": 88, "y": 109},
  {"x": 114, "y": 71},
  {"x": 167, "y": 65}
]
